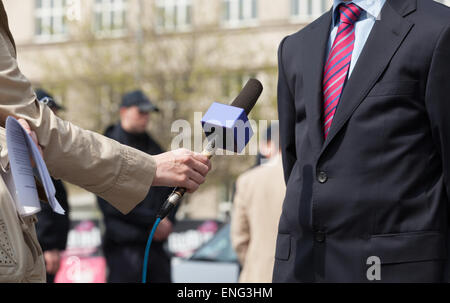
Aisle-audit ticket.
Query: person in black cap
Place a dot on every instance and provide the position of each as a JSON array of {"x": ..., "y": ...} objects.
[
  {"x": 46, "y": 98},
  {"x": 125, "y": 236},
  {"x": 52, "y": 229}
]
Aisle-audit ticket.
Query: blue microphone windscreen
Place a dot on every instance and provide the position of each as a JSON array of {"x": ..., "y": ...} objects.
[{"x": 229, "y": 125}]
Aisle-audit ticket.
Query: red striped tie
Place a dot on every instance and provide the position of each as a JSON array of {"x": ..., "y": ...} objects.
[{"x": 338, "y": 63}]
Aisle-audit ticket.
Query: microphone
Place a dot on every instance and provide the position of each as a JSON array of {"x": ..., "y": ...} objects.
[
  {"x": 219, "y": 117},
  {"x": 248, "y": 96}
]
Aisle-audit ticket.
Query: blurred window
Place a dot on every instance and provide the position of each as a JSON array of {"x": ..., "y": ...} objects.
[
  {"x": 50, "y": 20},
  {"x": 174, "y": 15},
  {"x": 307, "y": 10},
  {"x": 110, "y": 17},
  {"x": 239, "y": 13}
]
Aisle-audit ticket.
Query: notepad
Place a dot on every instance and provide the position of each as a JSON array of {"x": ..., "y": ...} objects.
[{"x": 20, "y": 148}]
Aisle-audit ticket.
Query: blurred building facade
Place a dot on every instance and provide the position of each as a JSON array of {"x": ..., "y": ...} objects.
[
  {"x": 149, "y": 41},
  {"x": 183, "y": 53},
  {"x": 244, "y": 34}
]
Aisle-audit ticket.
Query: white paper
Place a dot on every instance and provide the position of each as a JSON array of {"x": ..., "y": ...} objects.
[{"x": 20, "y": 147}]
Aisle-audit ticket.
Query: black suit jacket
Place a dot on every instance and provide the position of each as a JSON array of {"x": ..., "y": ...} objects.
[
  {"x": 52, "y": 229},
  {"x": 379, "y": 185},
  {"x": 133, "y": 229}
]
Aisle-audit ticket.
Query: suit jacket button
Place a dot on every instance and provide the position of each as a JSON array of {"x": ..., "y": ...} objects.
[
  {"x": 320, "y": 237},
  {"x": 322, "y": 177}
]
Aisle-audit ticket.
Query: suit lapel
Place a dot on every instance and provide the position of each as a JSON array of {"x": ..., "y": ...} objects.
[
  {"x": 386, "y": 37},
  {"x": 315, "y": 46}
]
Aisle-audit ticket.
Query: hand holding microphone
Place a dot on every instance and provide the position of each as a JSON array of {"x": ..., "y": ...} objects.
[
  {"x": 188, "y": 170},
  {"x": 227, "y": 123},
  {"x": 181, "y": 168}
]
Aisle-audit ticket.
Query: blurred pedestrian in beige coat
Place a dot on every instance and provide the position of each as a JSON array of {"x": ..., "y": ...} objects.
[
  {"x": 256, "y": 212},
  {"x": 111, "y": 170}
]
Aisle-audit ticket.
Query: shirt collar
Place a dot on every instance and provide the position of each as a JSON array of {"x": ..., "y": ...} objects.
[{"x": 372, "y": 8}]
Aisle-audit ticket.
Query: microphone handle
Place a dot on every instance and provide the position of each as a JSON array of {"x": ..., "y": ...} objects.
[{"x": 178, "y": 193}]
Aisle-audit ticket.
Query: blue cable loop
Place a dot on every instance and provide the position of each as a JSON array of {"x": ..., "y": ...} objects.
[{"x": 147, "y": 251}]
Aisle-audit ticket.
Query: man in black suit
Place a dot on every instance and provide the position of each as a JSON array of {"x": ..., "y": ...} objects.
[
  {"x": 365, "y": 137},
  {"x": 125, "y": 236}
]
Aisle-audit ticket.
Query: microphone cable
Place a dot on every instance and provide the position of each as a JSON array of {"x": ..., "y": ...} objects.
[
  {"x": 168, "y": 206},
  {"x": 147, "y": 250}
]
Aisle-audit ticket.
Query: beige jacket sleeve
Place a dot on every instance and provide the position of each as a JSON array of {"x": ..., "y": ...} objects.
[
  {"x": 240, "y": 227},
  {"x": 119, "y": 174}
]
